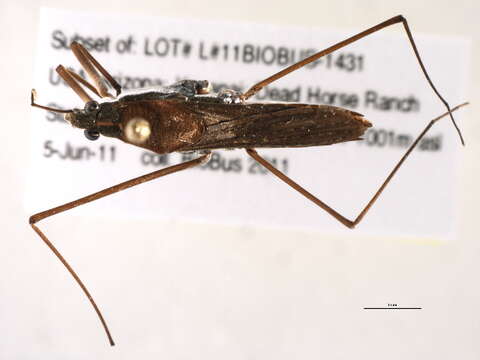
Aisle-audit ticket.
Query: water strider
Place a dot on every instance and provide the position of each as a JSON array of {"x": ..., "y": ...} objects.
[{"x": 186, "y": 117}]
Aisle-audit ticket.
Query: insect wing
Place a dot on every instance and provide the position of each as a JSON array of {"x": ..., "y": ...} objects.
[{"x": 274, "y": 125}]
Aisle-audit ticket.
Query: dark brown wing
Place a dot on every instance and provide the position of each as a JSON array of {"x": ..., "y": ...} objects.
[{"x": 273, "y": 125}]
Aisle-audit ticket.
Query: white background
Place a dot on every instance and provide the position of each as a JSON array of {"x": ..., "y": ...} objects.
[{"x": 182, "y": 290}]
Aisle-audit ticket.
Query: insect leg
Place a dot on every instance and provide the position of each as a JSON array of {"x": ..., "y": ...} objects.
[
  {"x": 395, "y": 20},
  {"x": 91, "y": 66},
  {"x": 73, "y": 83},
  {"x": 92, "y": 197},
  {"x": 328, "y": 209},
  {"x": 82, "y": 81}
]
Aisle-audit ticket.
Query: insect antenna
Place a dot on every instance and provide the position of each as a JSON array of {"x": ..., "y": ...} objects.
[
  {"x": 91, "y": 66},
  {"x": 33, "y": 95}
]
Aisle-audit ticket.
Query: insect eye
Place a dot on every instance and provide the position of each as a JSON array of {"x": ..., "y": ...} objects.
[
  {"x": 91, "y": 134},
  {"x": 91, "y": 106}
]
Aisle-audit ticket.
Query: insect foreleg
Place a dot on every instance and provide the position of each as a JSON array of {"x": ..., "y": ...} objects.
[
  {"x": 91, "y": 65},
  {"x": 98, "y": 195},
  {"x": 395, "y": 20},
  {"x": 81, "y": 80},
  {"x": 73, "y": 82},
  {"x": 328, "y": 209}
]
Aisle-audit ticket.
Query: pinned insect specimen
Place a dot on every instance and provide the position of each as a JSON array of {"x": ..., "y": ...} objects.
[{"x": 186, "y": 116}]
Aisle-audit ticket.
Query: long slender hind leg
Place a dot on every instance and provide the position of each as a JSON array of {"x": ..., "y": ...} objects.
[
  {"x": 92, "y": 197},
  {"x": 395, "y": 20},
  {"x": 328, "y": 209}
]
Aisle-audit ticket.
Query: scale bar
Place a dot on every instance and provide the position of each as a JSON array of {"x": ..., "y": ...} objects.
[{"x": 392, "y": 308}]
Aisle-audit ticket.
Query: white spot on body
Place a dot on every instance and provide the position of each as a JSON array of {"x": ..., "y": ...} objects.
[{"x": 137, "y": 130}]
